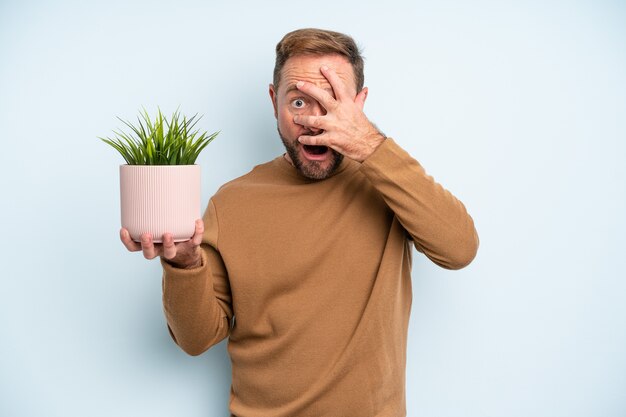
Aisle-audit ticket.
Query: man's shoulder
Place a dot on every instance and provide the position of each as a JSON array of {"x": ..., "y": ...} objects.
[{"x": 265, "y": 173}]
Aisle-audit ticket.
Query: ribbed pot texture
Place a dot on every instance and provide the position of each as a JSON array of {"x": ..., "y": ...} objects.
[{"x": 160, "y": 198}]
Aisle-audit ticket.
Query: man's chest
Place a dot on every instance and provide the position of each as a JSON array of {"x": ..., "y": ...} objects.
[{"x": 291, "y": 238}]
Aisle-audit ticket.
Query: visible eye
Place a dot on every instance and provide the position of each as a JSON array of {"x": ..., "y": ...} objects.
[{"x": 298, "y": 103}]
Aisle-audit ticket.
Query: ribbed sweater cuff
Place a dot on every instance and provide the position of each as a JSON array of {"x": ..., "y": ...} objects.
[
  {"x": 199, "y": 273},
  {"x": 389, "y": 153}
]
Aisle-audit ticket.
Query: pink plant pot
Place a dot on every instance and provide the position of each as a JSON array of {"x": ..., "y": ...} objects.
[{"x": 160, "y": 198}]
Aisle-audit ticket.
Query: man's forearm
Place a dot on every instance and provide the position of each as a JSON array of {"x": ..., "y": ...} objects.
[
  {"x": 196, "y": 304},
  {"x": 436, "y": 220}
]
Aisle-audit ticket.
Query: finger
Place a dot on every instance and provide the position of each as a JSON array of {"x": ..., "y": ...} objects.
[
  {"x": 169, "y": 248},
  {"x": 318, "y": 122},
  {"x": 147, "y": 245},
  {"x": 360, "y": 98},
  {"x": 317, "y": 140},
  {"x": 197, "y": 236},
  {"x": 322, "y": 96},
  {"x": 130, "y": 244},
  {"x": 339, "y": 86}
]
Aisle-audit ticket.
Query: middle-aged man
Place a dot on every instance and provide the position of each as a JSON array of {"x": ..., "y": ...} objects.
[{"x": 304, "y": 262}]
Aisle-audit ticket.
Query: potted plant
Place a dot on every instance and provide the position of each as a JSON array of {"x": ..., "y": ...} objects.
[{"x": 160, "y": 182}]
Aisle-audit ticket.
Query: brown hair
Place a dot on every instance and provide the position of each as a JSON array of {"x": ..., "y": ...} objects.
[{"x": 318, "y": 42}]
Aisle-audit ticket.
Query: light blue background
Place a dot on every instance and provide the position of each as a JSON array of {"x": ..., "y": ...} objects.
[{"x": 518, "y": 108}]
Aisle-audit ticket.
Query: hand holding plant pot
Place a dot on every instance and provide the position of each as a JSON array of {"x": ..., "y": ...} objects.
[
  {"x": 160, "y": 184},
  {"x": 181, "y": 255}
]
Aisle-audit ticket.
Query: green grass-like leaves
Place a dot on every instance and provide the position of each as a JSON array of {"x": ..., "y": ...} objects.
[{"x": 162, "y": 141}]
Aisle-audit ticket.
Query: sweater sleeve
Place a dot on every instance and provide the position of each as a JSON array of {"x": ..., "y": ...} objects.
[
  {"x": 437, "y": 222},
  {"x": 197, "y": 302}
]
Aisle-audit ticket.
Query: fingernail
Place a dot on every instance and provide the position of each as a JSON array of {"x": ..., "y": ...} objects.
[
  {"x": 299, "y": 84},
  {"x": 324, "y": 67}
]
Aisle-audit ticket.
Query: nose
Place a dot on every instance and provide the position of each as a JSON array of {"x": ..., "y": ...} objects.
[{"x": 316, "y": 109}]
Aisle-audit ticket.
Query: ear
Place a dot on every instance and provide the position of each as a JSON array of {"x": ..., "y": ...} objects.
[
  {"x": 361, "y": 97},
  {"x": 274, "y": 98}
]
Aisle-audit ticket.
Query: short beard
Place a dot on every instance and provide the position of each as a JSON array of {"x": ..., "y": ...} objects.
[{"x": 311, "y": 169}]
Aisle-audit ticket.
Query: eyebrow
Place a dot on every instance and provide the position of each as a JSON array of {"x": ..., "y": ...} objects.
[{"x": 293, "y": 87}]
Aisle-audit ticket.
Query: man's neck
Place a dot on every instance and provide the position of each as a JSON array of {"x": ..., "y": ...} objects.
[{"x": 288, "y": 158}]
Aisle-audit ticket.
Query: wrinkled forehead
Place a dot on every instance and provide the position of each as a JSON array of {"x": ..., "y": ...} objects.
[{"x": 307, "y": 68}]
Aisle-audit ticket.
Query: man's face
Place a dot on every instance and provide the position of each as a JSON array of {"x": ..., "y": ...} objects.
[{"x": 316, "y": 162}]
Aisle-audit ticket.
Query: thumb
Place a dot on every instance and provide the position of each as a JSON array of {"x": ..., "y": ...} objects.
[{"x": 196, "y": 239}]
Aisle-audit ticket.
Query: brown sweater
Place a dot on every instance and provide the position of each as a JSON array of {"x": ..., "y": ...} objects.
[{"x": 311, "y": 282}]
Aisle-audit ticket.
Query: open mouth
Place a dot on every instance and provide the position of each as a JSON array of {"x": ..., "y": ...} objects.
[{"x": 315, "y": 150}]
